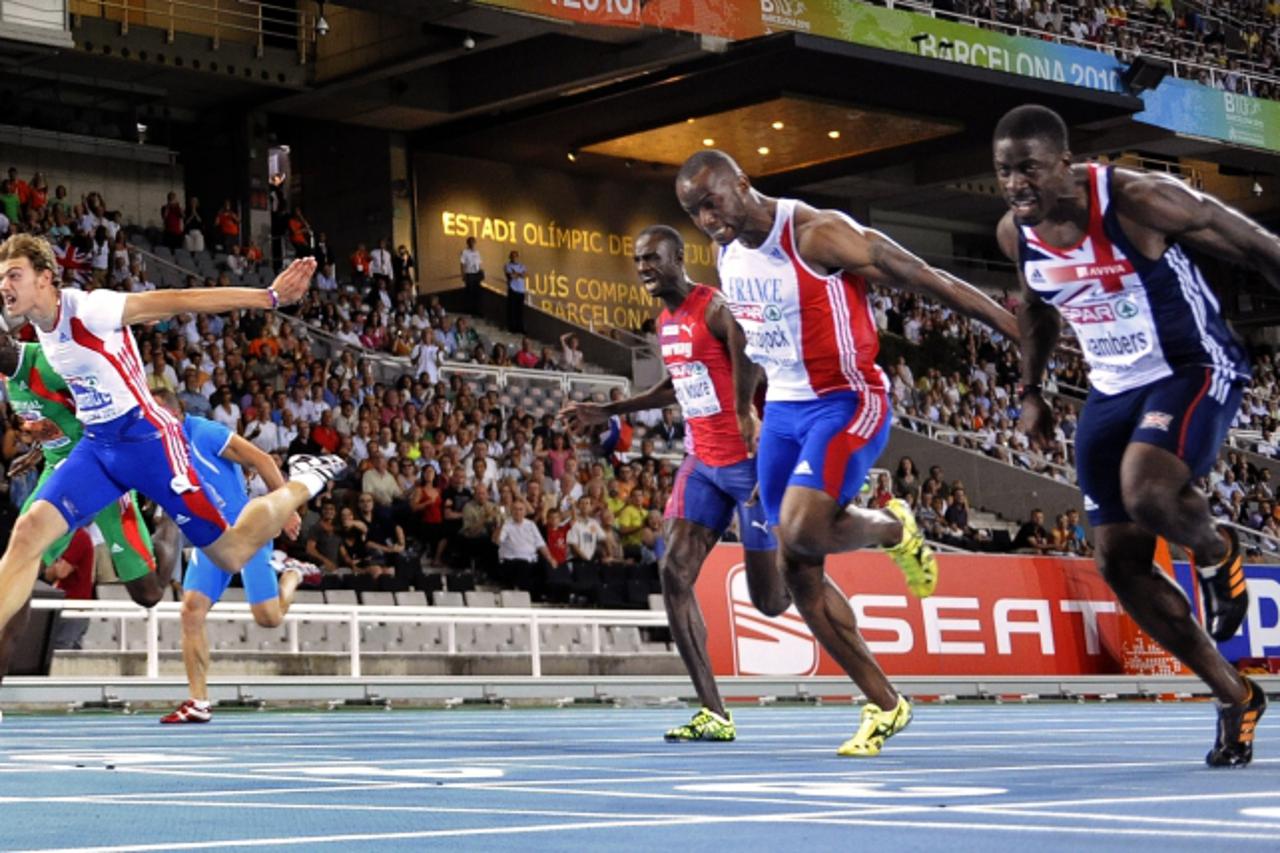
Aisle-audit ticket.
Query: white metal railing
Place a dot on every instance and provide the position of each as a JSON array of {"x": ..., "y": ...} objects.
[
  {"x": 356, "y": 616},
  {"x": 563, "y": 381},
  {"x": 929, "y": 429}
]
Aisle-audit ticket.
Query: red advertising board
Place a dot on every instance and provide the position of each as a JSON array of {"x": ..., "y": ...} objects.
[{"x": 991, "y": 615}]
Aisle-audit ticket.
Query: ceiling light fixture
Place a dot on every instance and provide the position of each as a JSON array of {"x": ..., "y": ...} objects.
[
  {"x": 708, "y": 142},
  {"x": 834, "y": 134},
  {"x": 777, "y": 125},
  {"x": 763, "y": 149},
  {"x": 573, "y": 158}
]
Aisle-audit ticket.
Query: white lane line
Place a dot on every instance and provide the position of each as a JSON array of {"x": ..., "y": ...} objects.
[
  {"x": 1165, "y": 798},
  {"x": 435, "y": 833},
  {"x": 1109, "y": 831},
  {"x": 1087, "y": 817},
  {"x": 866, "y": 773},
  {"x": 820, "y": 818}
]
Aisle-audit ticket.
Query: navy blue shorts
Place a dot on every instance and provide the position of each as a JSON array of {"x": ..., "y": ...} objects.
[
  {"x": 1187, "y": 414},
  {"x": 828, "y": 444},
  {"x": 131, "y": 452},
  {"x": 707, "y": 495}
]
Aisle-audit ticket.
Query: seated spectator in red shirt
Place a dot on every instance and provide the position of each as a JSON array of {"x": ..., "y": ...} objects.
[
  {"x": 19, "y": 186},
  {"x": 526, "y": 357},
  {"x": 360, "y": 265},
  {"x": 73, "y": 571},
  {"x": 324, "y": 434},
  {"x": 557, "y": 537}
]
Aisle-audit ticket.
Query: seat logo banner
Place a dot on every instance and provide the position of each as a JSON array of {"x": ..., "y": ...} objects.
[{"x": 991, "y": 615}]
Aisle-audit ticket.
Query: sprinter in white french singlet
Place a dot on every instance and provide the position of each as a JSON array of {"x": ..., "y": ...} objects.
[
  {"x": 795, "y": 279},
  {"x": 1103, "y": 248}
]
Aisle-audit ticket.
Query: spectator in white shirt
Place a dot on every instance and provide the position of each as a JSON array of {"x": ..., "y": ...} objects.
[
  {"x": 519, "y": 545},
  {"x": 426, "y": 357},
  {"x": 263, "y": 432},
  {"x": 586, "y": 533},
  {"x": 472, "y": 274},
  {"x": 227, "y": 412},
  {"x": 570, "y": 355},
  {"x": 326, "y": 279},
  {"x": 380, "y": 262},
  {"x": 236, "y": 262},
  {"x": 380, "y": 482}
]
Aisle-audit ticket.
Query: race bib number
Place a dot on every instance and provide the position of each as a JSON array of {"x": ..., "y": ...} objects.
[
  {"x": 769, "y": 340},
  {"x": 695, "y": 390},
  {"x": 44, "y": 430},
  {"x": 1114, "y": 333}
]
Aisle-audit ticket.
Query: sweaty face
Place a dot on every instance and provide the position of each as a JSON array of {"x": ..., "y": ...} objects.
[
  {"x": 713, "y": 198},
  {"x": 658, "y": 264},
  {"x": 18, "y": 286},
  {"x": 1033, "y": 174}
]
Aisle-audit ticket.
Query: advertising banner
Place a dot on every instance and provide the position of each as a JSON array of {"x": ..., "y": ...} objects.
[
  {"x": 730, "y": 19},
  {"x": 914, "y": 33},
  {"x": 992, "y": 615},
  {"x": 1259, "y": 636},
  {"x": 1187, "y": 107}
]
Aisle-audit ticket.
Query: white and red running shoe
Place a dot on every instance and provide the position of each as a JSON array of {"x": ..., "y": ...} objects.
[{"x": 189, "y": 712}]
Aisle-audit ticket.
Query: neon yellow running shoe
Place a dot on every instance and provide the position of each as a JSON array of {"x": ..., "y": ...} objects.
[
  {"x": 913, "y": 555},
  {"x": 877, "y": 727},
  {"x": 705, "y": 725}
]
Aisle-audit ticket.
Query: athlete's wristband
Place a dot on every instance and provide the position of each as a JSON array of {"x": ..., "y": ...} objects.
[
  {"x": 1025, "y": 391},
  {"x": 275, "y": 298}
]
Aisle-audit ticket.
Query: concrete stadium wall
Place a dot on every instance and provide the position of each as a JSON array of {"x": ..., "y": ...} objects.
[
  {"x": 137, "y": 189},
  {"x": 992, "y": 486}
]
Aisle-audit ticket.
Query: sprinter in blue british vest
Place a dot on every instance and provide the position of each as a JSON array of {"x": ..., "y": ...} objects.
[{"x": 1106, "y": 249}]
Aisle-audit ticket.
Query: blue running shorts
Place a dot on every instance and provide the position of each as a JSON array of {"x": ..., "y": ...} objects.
[
  {"x": 707, "y": 495},
  {"x": 827, "y": 444},
  {"x": 1187, "y": 414}
]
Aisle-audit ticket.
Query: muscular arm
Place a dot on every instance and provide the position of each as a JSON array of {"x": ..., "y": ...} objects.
[
  {"x": 834, "y": 242},
  {"x": 155, "y": 305},
  {"x": 240, "y": 451},
  {"x": 1177, "y": 212},
  {"x": 1038, "y": 322},
  {"x": 746, "y": 374},
  {"x": 658, "y": 397}
]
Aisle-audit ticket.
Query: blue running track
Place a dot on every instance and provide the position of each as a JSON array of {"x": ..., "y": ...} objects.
[{"x": 961, "y": 778}]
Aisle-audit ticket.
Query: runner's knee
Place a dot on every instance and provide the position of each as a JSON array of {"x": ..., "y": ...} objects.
[
  {"x": 194, "y": 611},
  {"x": 32, "y": 534},
  {"x": 267, "y": 614}
]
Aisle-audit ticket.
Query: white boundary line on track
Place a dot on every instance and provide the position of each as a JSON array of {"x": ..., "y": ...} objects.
[{"x": 834, "y": 818}]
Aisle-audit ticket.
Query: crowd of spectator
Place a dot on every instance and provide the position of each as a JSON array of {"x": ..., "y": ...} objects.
[
  {"x": 1228, "y": 44},
  {"x": 447, "y": 477}
]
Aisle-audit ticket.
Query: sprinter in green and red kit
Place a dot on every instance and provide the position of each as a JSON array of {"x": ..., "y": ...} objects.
[{"x": 41, "y": 399}]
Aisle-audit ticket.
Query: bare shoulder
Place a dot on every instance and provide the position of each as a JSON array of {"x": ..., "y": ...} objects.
[
  {"x": 1129, "y": 187},
  {"x": 1007, "y": 235}
]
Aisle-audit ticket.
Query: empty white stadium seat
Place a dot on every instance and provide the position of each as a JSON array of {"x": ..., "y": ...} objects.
[{"x": 514, "y": 598}]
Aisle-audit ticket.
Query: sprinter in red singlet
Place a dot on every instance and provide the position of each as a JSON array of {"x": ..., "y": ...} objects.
[{"x": 702, "y": 348}]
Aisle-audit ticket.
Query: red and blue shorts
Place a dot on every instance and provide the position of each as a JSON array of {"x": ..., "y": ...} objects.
[
  {"x": 130, "y": 452},
  {"x": 1187, "y": 414},
  {"x": 828, "y": 444},
  {"x": 708, "y": 495}
]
